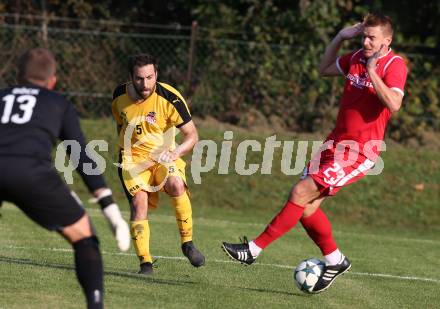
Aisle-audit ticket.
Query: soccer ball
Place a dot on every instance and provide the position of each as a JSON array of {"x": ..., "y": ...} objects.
[{"x": 307, "y": 273}]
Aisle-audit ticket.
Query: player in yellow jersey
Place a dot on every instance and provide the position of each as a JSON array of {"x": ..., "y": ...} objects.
[{"x": 147, "y": 114}]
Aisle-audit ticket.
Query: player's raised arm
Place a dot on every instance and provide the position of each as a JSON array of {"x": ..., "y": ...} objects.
[{"x": 328, "y": 66}]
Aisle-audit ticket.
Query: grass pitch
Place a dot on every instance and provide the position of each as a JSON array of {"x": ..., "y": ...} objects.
[{"x": 390, "y": 269}]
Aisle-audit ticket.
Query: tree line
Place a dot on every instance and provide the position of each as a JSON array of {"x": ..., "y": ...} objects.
[{"x": 256, "y": 61}]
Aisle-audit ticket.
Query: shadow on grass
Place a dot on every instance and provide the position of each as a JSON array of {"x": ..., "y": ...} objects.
[
  {"x": 260, "y": 290},
  {"x": 18, "y": 261}
]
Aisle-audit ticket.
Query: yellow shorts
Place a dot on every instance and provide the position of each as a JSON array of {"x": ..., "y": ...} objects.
[{"x": 152, "y": 179}]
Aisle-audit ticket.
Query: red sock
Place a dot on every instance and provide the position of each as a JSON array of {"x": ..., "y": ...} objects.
[
  {"x": 281, "y": 224},
  {"x": 319, "y": 229}
]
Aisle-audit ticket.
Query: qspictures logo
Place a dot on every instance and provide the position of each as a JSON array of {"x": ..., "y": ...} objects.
[{"x": 230, "y": 156}]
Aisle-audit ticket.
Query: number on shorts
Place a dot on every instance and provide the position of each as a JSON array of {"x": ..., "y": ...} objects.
[{"x": 334, "y": 174}]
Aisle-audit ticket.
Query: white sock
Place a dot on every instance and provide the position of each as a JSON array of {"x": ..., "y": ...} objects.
[
  {"x": 255, "y": 250},
  {"x": 334, "y": 258}
]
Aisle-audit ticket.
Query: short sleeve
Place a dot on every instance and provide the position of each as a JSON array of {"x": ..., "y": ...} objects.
[
  {"x": 120, "y": 90},
  {"x": 395, "y": 73},
  {"x": 343, "y": 63},
  {"x": 179, "y": 114},
  {"x": 115, "y": 113}
]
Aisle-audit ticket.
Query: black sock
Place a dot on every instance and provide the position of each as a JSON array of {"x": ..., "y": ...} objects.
[{"x": 89, "y": 270}]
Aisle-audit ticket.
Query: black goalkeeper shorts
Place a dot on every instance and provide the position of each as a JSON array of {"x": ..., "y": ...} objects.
[{"x": 36, "y": 188}]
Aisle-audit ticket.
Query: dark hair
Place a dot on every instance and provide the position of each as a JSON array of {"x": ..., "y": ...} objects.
[
  {"x": 36, "y": 64},
  {"x": 378, "y": 19},
  {"x": 141, "y": 60}
]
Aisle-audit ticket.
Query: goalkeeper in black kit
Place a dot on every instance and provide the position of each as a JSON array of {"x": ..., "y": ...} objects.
[{"x": 33, "y": 117}]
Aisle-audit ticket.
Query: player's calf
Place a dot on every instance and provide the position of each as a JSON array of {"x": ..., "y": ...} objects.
[{"x": 89, "y": 270}]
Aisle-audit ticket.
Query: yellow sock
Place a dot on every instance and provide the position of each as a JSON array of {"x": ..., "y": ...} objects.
[
  {"x": 182, "y": 208},
  {"x": 140, "y": 233}
]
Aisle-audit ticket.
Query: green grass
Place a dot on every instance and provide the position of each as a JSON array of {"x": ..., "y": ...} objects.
[
  {"x": 389, "y": 230},
  {"x": 36, "y": 268}
]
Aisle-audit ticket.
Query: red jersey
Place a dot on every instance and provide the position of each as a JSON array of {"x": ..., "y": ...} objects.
[{"x": 362, "y": 116}]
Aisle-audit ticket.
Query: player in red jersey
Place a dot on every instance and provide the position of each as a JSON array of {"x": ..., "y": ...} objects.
[{"x": 374, "y": 84}]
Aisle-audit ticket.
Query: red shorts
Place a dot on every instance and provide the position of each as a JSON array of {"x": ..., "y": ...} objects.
[{"x": 337, "y": 167}]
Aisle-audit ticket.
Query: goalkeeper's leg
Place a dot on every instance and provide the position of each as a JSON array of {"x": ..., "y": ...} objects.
[{"x": 88, "y": 261}]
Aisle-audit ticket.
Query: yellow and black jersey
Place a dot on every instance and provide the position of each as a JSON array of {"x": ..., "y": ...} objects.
[{"x": 149, "y": 126}]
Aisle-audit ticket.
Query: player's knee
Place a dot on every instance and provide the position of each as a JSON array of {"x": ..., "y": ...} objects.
[
  {"x": 175, "y": 186},
  {"x": 303, "y": 193},
  {"x": 78, "y": 230},
  {"x": 299, "y": 191},
  {"x": 140, "y": 200}
]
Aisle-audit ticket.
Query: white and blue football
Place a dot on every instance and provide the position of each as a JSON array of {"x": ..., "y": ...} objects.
[{"x": 307, "y": 273}]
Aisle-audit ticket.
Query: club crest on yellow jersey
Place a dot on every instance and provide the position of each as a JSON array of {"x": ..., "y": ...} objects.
[{"x": 151, "y": 118}]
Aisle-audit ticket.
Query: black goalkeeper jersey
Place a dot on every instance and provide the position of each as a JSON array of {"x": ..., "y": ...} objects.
[{"x": 33, "y": 119}]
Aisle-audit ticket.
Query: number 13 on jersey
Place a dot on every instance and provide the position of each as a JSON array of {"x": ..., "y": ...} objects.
[{"x": 26, "y": 104}]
